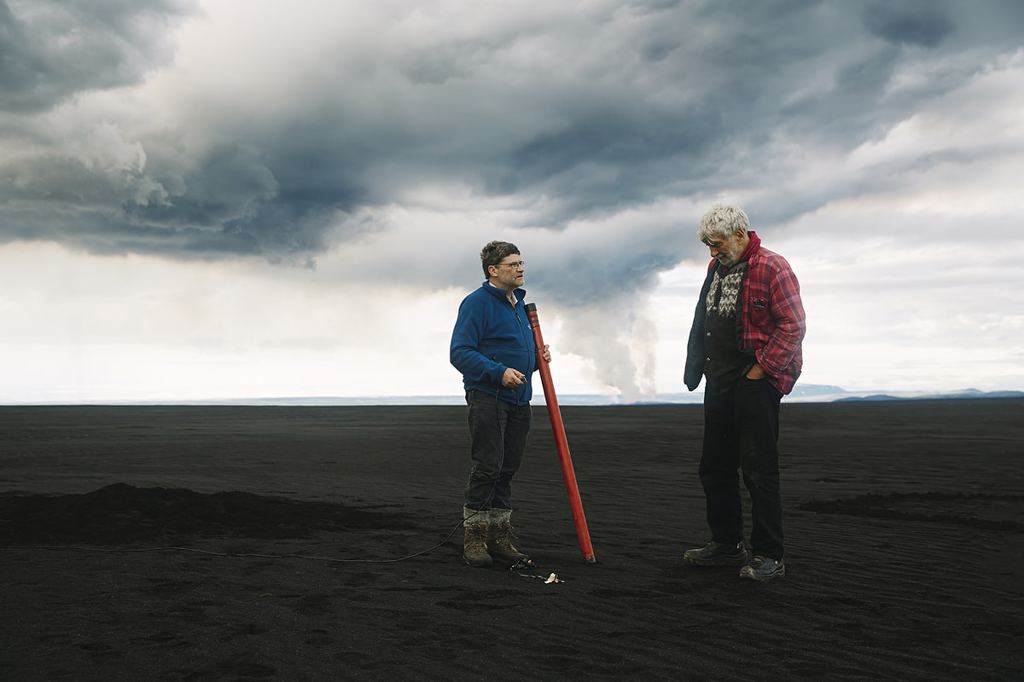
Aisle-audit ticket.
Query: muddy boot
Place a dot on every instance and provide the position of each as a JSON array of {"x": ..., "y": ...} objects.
[
  {"x": 499, "y": 537},
  {"x": 474, "y": 548}
]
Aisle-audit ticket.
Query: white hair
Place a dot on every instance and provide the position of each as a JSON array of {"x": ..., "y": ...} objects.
[{"x": 722, "y": 221}]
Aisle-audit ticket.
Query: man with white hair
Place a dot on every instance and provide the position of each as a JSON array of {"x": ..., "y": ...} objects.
[{"x": 745, "y": 340}]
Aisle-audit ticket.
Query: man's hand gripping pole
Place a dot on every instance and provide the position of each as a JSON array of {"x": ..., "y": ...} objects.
[{"x": 561, "y": 444}]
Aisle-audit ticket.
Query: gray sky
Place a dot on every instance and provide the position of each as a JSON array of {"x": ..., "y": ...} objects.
[{"x": 228, "y": 198}]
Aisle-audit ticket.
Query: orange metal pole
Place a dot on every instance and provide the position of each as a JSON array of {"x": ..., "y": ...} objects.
[{"x": 561, "y": 444}]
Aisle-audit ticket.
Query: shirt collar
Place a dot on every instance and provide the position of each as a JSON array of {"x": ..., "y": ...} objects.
[{"x": 518, "y": 294}]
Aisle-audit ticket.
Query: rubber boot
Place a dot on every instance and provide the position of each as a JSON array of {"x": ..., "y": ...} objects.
[
  {"x": 500, "y": 536},
  {"x": 474, "y": 546}
]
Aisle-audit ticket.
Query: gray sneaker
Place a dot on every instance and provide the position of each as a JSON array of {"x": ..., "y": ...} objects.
[
  {"x": 762, "y": 568},
  {"x": 717, "y": 554}
]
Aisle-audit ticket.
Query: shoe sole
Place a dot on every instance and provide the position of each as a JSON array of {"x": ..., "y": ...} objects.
[{"x": 781, "y": 573}]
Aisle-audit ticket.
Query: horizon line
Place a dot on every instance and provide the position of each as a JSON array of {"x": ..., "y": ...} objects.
[{"x": 811, "y": 394}]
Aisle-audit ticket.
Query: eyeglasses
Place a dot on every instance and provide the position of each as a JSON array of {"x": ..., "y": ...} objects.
[{"x": 517, "y": 265}]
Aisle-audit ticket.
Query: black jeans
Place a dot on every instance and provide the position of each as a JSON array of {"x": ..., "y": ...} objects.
[
  {"x": 498, "y": 432},
  {"x": 741, "y": 431}
]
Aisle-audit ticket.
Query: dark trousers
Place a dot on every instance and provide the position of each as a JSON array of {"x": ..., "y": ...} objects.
[
  {"x": 741, "y": 431},
  {"x": 497, "y": 430}
]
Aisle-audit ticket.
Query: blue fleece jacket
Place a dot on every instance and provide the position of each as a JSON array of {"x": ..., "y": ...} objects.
[{"x": 491, "y": 336}]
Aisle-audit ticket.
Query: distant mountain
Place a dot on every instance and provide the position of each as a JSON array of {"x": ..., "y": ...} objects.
[
  {"x": 806, "y": 393},
  {"x": 818, "y": 393},
  {"x": 968, "y": 393},
  {"x": 875, "y": 397},
  {"x": 807, "y": 390}
]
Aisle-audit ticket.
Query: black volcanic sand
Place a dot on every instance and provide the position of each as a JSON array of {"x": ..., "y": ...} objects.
[{"x": 140, "y": 542}]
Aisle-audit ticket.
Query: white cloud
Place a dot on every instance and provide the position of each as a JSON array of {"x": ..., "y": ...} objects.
[{"x": 89, "y": 328}]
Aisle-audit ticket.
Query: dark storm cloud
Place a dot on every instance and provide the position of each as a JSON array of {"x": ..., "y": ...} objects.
[
  {"x": 922, "y": 22},
  {"x": 637, "y": 144},
  {"x": 589, "y": 272},
  {"x": 229, "y": 204},
  {"x": 235, "y": 192},
  {"x": 50, "y": 50},
  {"x": 568, "y": 116}
]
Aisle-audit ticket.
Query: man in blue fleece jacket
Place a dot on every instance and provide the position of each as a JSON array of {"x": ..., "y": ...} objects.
[{"x": 492, "y": 345}]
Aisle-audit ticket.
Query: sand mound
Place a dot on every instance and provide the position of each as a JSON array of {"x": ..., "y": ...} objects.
[{"x": 120, "y": 513}]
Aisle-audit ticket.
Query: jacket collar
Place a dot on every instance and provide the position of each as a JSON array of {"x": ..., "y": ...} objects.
[
  {"x": 753, "y": 247},
  {"x": 500, "y": 293}
]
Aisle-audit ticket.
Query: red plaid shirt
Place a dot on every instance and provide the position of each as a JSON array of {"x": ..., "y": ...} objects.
[{"x": 771, "y": 319}]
